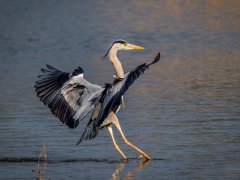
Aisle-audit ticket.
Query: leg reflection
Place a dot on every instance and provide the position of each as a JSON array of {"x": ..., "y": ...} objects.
[
  {"x": 117, "y": 170},
  {"x": 140, "y": 165}
]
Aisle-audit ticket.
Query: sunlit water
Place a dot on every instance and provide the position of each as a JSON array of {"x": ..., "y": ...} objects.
[{"x": 184, "y": 112}]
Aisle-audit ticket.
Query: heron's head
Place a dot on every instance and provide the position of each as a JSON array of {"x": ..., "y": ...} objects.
[{"x": 121, "y": 45}]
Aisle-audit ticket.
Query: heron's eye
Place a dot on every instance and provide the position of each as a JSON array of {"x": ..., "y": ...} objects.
[{"x": 125, "y": 44}]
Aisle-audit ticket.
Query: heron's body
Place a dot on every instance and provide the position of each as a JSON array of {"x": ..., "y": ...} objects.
[{"x": 71, "y": 97}]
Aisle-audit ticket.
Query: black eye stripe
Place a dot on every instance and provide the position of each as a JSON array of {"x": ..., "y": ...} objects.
[{"x": 120, "y": 41}]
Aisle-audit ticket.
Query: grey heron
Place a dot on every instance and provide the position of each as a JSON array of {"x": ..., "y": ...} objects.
[{"x": 71, "y": 97}]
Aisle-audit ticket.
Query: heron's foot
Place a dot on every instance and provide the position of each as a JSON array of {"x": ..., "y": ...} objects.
[{"x": 147, "y": 156}]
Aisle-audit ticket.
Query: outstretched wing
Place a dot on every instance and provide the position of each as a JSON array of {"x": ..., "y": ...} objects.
[
  {"x": 116, "y": 91},
  {"x": 111, "y": 98},
  {"x": 69, "y": 96}
]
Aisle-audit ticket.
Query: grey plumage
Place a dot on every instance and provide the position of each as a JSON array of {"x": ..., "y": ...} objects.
[{"x": 70, "y": 97}]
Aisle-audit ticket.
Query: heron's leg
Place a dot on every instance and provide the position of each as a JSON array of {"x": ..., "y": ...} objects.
[
  {"x": 114, "y": 142},
  {"x": 117, "y": 124}
]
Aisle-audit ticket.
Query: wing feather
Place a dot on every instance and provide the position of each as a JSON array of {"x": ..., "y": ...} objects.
[
  {"x": 69, "y": 96},
  {"x": 115, "y": 92}
]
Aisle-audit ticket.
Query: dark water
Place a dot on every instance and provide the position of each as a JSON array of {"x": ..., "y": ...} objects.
[{"x": 185, "y": 112}]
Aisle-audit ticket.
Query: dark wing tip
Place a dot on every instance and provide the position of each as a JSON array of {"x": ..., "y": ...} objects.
[
  {"x": 156, "y": 59},
  {"x": 72, "y": 123},
  {"x": 44, "y": 71},
  {"x": 51, "y": 68},
  {"x": 79, "y": 142},
  {"x": 158, "y": 56},
  {"x": 77, "y": 71}
]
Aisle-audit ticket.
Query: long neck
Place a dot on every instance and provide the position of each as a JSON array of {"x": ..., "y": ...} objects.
[{"x": 116, "y": 63}]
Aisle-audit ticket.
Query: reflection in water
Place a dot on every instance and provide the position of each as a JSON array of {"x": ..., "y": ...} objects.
[
  {"x": 130, "y": 173},
  {"x": 117, "y": 170}
]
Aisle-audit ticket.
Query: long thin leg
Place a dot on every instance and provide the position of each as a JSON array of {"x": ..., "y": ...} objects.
[
  {"x": 114, "y": 142},
  {"x": 117, "y": 124}
]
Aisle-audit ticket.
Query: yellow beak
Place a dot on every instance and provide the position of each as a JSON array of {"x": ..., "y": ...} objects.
[{"x": 131, "y": 46}]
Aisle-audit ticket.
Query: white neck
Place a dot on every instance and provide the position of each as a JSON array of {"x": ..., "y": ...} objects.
[{"x": 116, "y": 63}]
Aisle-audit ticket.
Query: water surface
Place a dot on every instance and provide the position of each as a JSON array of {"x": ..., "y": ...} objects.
[{"x": 184, "y": 112}]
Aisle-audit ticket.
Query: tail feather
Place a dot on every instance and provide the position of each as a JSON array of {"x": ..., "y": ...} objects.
[{"x": 90, "y": 132}]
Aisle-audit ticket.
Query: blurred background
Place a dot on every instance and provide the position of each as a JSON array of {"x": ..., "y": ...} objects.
[{"x": 184, "y": 112}]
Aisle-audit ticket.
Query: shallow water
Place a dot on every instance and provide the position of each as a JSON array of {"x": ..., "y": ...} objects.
[{"x": 184, "y": 112}]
